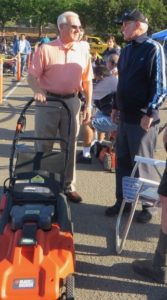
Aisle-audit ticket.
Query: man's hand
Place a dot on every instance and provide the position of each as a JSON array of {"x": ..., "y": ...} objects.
[
  {"x": 115, "y": 115},
  {"x": 39, "y": 94},
  {"x": 41, "y": 97},
  {"x": 87, "y": 115},
  {"x": 145, "y": 122}
]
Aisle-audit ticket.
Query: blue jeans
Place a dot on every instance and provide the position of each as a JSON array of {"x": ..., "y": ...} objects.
[
  {"x": 23, "y": 62},
  {"x": 103, "y": 123}
]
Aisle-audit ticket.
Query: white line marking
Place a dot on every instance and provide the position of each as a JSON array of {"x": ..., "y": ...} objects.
[{"x": 11, "y": 91}]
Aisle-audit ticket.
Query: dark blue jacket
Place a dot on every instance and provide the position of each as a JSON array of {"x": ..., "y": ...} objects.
[
  {"x": 142, "y": 81},
  {"x": 16, "y": 46}
]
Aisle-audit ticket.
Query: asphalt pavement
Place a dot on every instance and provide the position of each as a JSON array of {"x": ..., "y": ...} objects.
[{"x": 100, "y": 272}]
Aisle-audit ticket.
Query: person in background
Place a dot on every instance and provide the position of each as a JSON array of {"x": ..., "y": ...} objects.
[
  {"x": 103, "y": 90},
  {"x": 15, "y": 50},
  {"x": 61, "y": 69},
  {"x": 25, "y": 49},
  {"x": 44, "y": 40},
  {"x": 112, "y": 48},
  {"x": 141, "y": 91},
  {"x": 3, "y": 43},
  {"x": 156, "y": 269}
]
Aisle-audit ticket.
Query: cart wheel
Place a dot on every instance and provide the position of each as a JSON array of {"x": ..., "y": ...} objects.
[{"x": 70, "y": 286}]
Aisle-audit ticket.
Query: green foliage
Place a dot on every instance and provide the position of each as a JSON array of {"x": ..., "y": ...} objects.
[
  {"x": 103, "y": 12},
  {"x": 8, "y": 11},
  {"x": 96, "y": 15}
]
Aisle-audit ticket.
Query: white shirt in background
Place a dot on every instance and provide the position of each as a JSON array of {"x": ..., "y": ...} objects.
[{"x": 23, "y": 47}]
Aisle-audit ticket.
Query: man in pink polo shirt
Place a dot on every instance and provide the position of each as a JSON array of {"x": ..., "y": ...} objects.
[{"x": 62, "y": 68}]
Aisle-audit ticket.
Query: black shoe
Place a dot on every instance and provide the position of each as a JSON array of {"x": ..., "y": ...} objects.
[
  {"x": 96, "y": 148},
  {"x": 73, "y": 197},
  {"x": 114, "y": 210},
  {"x": 144, "y": 216},
  {"x": 83, "y": 160},
  {"x": 146, "y": 269}
]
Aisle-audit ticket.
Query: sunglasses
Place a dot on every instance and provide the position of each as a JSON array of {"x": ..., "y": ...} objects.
[
  {"x": 76, "y": 27},
  {"x": 126, "y": 23},
  {"x": 112, "y": 62}
]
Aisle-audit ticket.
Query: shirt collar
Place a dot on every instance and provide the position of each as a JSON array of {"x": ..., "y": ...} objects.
[
  {"x": 140, "y": 39},
  {"x": 73, "y": 45}
]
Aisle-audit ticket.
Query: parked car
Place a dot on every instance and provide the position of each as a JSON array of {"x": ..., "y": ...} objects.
[{"x": 96, "y": 44}]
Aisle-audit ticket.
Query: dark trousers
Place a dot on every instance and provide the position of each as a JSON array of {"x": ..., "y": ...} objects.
[{"x": 133, "y": 140}]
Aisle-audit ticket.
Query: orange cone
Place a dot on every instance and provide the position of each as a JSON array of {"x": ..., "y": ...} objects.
[{"x": 18, "y": 67}]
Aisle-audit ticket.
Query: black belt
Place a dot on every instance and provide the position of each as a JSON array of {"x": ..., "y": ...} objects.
[{"x": 61, "y": 96}]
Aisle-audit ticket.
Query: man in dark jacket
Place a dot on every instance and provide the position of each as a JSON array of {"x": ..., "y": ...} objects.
[{"x": 141, "y": 90}]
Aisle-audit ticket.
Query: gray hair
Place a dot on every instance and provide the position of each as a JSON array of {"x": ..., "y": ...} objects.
[
  {"x": 62, "y": 19},
  {"x": 143, "y": 27}
]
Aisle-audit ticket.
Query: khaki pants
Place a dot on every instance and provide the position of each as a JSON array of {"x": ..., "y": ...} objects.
[{"x": 48, "y": 121}]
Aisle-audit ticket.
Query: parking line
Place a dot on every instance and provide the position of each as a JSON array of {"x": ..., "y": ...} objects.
[{"x": 11, "y": 91}]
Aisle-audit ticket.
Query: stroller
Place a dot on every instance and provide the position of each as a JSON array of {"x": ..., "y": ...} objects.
[
  {"x": 9, "y": 61},
  {"x": 9, "y": 64},
  {"x": 37, "y": 257}
]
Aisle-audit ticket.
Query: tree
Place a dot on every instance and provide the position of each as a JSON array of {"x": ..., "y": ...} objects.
[
  {"x": 103, "y": 12},
  {"x": 42, "y": 12},
  {"x": 35, "y": 12},
  {"x": 156, "y": 12},
  {"x": 8, "y": 11},
  {"x": 96, "y": 15}
]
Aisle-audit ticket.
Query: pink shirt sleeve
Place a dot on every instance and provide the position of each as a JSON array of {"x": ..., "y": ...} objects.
[{"x": 38, "y": 63}]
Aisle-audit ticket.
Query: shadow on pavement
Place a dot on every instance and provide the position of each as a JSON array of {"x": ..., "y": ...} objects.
[
  {"x": 95, "y": 166},
  {"x": 10, "y": 87},
  {"x": 6, "y": 134},
  {"x": 5, "y": 150},
  {"x": 8, "y": 112},
  {"x": 94, "y": 220},
  {"x": 123, "y": 285},
  {"x": 19, "y": 98}
]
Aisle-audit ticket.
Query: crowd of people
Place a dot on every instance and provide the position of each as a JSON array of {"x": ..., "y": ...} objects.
[
  {"x": 132, "y": 77},
  {"x": 21, "y": 44},
  {"x": 136, "y": 75},
  {"x": 18, "y": 44}
]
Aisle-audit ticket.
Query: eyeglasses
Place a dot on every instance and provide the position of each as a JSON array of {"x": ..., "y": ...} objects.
[
  {"x": 76, "y": 27},
  {"x": 125, "y": 23},
  {"x": 112, "y": 62}
]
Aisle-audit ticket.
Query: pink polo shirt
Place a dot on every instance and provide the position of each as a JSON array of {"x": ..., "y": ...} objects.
[{"x": 61, "y": 70}]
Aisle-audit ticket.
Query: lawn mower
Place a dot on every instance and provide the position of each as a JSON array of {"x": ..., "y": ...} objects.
[{"x": 37, "y": 259}]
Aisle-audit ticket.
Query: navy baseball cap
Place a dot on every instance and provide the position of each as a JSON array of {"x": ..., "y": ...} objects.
[{"x": 133, "y": 15}]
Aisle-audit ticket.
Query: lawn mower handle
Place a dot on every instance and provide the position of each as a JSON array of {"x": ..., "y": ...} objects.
[{"x": 21, "y": 125}]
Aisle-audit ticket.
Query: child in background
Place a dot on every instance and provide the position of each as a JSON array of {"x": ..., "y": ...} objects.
[{"x": 105, "y": 86}]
